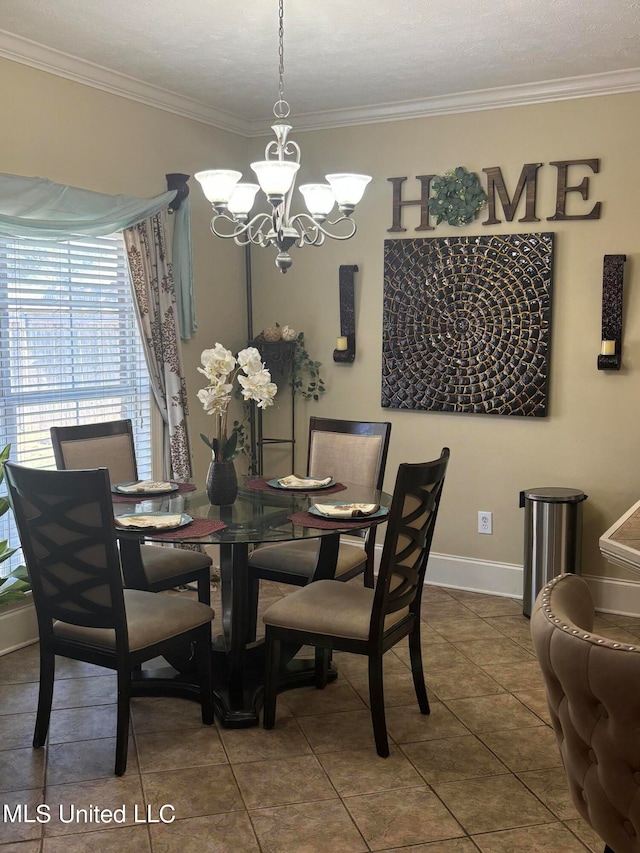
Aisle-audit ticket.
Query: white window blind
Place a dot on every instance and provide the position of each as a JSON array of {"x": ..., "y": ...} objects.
[{"x": 70, "y": 349}]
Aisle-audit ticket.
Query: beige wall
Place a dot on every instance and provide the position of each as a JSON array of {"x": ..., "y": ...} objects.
[
  {"x": 590, "y": 438},
  {"x": 82, "y": 136},
  {"x": 74, "y": 134}
]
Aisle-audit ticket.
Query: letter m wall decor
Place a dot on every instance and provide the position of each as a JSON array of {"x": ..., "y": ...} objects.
[{"x": 466, "y": 324}]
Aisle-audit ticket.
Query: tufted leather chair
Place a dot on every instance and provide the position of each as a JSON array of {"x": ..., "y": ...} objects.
[{"x": 593, "y": 691}]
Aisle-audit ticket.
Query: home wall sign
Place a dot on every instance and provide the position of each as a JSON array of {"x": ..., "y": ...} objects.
[
  {"x": 567, "y": 174},
  {"x": 466, "y": 324}
]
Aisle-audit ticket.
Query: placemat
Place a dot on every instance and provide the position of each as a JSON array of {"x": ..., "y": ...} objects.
[
  {"x": 198, "y": 527},
  {"x": 182, "y": 487},
  {"x": 260, "y": 485},
  {"x": 305, "y": 519}
]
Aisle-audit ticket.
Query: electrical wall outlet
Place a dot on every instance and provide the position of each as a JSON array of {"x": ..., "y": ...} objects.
[{"x": 485, "y": 521}]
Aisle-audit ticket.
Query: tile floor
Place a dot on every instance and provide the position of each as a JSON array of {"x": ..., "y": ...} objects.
[{"x": 482, "y": 772}]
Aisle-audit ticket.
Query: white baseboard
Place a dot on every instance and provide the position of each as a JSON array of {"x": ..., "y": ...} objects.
[
  {"x": 18, "y": 626},
  {"x": 610, "y": 595},
  {"x": 475, "y": 575}
]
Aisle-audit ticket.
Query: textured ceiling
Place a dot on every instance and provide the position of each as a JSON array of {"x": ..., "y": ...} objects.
[{"x": 365, "y": 57}]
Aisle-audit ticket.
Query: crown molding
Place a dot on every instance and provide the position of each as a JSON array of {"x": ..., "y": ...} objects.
[
  {"x": 62, "y": 64},
  {"x": 591, "y": 85}
]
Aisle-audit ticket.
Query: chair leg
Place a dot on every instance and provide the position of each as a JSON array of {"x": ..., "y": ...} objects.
[
  {"x": 369, "y": 549},
  {"x": 204, "y": 587},
  {"x": 376, "y": 700},
  {"x": 45, "y": 697},
  {"x": 122, "y": 726},
  {"x": 415, "y": 654},
  {"x": 203, "y": 654},
  {"x": 271, "y": 672},
  {"x": 321, "y": 668}
]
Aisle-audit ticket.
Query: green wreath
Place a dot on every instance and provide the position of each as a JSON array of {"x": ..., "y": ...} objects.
[{"x": 458, "y": 197}]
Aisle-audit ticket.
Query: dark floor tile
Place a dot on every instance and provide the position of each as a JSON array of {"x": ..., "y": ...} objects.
[
  {"x": 125, "y": 839},
  {"x": 325, "y": 826},
  {"x": 21, "y": 768},
  {"x": 194, "y": 792},
  {"x": 264, "y": 784},
  {"x": 220, "y": 833},
  {"x": 400, "y": 818},
  {"x": 362, "y": 771},
  {"x": 17, "y": 824}
]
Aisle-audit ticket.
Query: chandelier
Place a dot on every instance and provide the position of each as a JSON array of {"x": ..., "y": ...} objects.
[{"x": 232, "y": 201}]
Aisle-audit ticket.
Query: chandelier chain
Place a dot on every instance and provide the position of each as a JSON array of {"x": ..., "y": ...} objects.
[{"x": 281, "y": 108}]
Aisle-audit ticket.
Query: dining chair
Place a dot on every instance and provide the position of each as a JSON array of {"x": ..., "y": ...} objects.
[
  {"x": 350, "y": 451},
  {"x": 591, "y": 684},
  {"x": 331, "y": 615},
  {"x": 110, "y": 444},
  {"x": 67, "y": 532}
]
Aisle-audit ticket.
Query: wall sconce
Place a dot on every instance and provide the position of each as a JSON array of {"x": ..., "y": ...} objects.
[
  {"x": 345, "y": 351},
  {"x": 610, "y": 357}
]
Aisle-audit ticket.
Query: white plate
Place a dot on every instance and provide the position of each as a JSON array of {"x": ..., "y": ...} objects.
[{"x": 151, "y": 526}]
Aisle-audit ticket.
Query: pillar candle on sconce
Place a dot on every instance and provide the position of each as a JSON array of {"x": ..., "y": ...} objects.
[
  {"x": 610, "y": 357},
  {"x": 345, "y": 351}
]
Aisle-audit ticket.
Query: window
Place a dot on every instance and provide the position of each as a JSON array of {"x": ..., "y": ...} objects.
[{"x": 70, "y": 349}]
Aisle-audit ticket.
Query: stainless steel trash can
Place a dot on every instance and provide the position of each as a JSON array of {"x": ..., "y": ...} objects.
[{"x": 552, "y": 537}]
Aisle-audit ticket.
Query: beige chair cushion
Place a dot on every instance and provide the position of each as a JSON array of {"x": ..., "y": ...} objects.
[
  {"x": 300, "y": 557},
  {"x": 111, "y": 451},
  {"x": 151, "y": 618},
  {"x": 330, "y": 608},
  {"x": 347, "y": 458},
  {"x": 165, "y": 563}
]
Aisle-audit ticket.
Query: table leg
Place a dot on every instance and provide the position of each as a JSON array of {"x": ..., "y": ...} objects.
[{"x": 238, "y": 660}]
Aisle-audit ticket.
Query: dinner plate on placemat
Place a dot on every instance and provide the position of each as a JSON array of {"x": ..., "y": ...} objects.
[
  {"x": 382, "y": 510},
  {"x": 152, "y": 521},
  {"x": 309, "y": 488},
  {"x": 126, "y": 491}
]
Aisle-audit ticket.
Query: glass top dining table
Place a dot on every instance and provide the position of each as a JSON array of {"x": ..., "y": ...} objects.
[{"x": 260, "y": 513}]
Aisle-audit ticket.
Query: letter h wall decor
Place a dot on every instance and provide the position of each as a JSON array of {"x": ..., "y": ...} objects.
[{"x": 466, "y": 324}]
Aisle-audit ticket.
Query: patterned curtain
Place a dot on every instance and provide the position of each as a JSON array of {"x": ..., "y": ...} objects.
[{"x": 154, "y": 294}]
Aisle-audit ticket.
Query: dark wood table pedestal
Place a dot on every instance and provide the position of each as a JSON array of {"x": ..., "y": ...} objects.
[{"x": 238, "y": 658}]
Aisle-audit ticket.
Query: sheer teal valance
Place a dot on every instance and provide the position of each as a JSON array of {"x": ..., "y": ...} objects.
[{"x": 37, "y": 207}]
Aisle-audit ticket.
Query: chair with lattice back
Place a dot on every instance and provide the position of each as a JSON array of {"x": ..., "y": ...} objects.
[
  {"x": 110, "y": 444},
  {"x": 67, "y": 532},
  {"x": 331, "y": 615},
  {"x": 350, "y": 451}
]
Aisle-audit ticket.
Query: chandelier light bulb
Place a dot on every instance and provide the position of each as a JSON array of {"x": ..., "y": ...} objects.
[
  {"x": 242, "y": 200},
  {"x": 275, "y": 176},
  {"x": 218, "y": 184},
  {"x": 319, "y": 199},
  {"x": 347, "y": 188}
]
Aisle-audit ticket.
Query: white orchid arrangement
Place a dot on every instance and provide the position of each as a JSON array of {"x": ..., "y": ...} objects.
[{"x": 221, "y": 368}]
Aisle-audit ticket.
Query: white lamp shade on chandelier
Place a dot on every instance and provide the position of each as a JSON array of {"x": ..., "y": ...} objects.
[{"x": 232, "y": 201}]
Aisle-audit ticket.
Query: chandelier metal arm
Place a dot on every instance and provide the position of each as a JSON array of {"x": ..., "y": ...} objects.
[
  {"x": 313, "y": 232},
  {"x": 251, "y": 231}
]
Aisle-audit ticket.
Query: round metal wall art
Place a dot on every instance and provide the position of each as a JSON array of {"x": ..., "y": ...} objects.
[{"x": 466, "y": 324}]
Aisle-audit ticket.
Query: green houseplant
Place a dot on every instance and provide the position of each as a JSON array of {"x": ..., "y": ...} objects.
[{"x": 16, "y": 584}]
